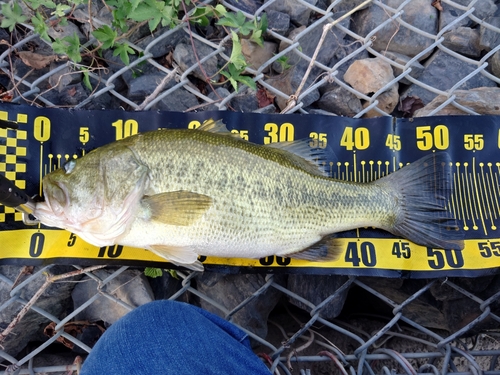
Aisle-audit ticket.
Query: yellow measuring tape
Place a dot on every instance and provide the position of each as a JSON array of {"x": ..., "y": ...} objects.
[{"x": 364, "y": 150}]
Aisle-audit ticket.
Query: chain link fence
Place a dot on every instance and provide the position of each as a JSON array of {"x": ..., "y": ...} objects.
[{"x": 463, "y": 42}]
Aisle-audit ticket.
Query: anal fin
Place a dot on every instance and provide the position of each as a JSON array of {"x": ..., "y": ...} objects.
[
  {"x": 329, "y": 248},
  {"x": 181, "y": 256}
]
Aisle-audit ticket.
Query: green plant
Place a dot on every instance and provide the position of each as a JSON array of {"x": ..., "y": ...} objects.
[
  {"x": 154, "y": 272},
  {"x": 128, "y": 15},
  {"x": 283, "y": 61}
]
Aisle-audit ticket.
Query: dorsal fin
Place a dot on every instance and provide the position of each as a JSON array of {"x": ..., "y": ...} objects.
[
  {"x": 312, "y": 160},
  {"x": 213, "y": 126}
]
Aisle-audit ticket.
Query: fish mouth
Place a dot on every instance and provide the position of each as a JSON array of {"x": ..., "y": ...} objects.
[{"x": 52, "y": 210}]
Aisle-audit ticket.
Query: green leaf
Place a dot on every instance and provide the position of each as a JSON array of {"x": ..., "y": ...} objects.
[
  {"x": 60, "y": 10},
  {"x": 12, "y": 16},
  {"x": 232, "y": 20},
  {"x": 220, "y": 10},
  {"x": 257, "y": 38},
  {"x": 86, "y": 79},
  {"x": 143, "y": 12},
  {"x": 237, "y": 58},
  {"x": 69, "y": 45},
  {"x": 40, "y": 26},
  {"x": 35, "y": 4},
  {"x": 153, "y": 272},
  {"x": 124, "y": 50},
  {"x": 106, "y": 35},
  {"x": 246, "y": 80}
]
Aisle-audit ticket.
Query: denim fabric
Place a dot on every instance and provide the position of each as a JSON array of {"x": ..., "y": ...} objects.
[{"x": 167, "y": 337}]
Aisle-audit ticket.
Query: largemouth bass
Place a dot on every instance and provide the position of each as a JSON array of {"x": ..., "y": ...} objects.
[{"x": 185, "y": 193}]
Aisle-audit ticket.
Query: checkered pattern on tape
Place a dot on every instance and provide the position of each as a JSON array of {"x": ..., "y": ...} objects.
[
  {"x": 329, "y": 73},
  {"x": 371, "y": 353}
]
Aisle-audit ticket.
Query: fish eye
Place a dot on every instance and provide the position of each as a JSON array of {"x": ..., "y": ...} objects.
[{"x": 69, "y": 166}]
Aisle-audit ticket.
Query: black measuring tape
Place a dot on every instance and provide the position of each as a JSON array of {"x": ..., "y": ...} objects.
[{"x": 35, "y": 141}]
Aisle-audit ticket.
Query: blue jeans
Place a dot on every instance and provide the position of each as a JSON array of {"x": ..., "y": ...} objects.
[{"x": 167, "y": 337}]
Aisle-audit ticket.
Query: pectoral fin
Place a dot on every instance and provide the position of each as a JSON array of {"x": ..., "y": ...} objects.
[
  {"x": 327, "y": 249},
  {"x": 181, "y": 256},
  {"x": 177, "y": 207}
]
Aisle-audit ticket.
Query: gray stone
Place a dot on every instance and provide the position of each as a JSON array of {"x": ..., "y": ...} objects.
[
  {"x": 64, "y": 77},
  {"x": 231, "y": 290},
  {"x": 180, "y": 100},
  {"x": 163, "y": 45},
  {"x": 482, "y": 100},
  {"x": 340, "y": 102},
  {"x": 256, "y": 56},
  {"x": 315, "y": 289},
  {"x": 278, "y": 22},
  {"x": 494, "y": 62},
  {"x": 489, "y": 39},
  {"x": 315, "y": 111},
  {"x": 395, "y": 37},
  {"x": 219, "y": 94},
  {"x": 72, "y": 95},
  {"x": 144, "y": 85},
  {"x": 443, "y": 71},
  {"x": 346, "y": 5},
  {"x": 449, "y": 15},
  {"x": 59, "y": 32},
  {"x": 164, "y": 286},
  {"x": 289, "y": 81},
  {"x": 49, "y": 360},
  {"x": 185, "y": 57},
  {"x": 416, "y": 67},
  {"x": 131, "y": 287},
  {"x": 249, "y": 6},
  {"x": 55, "y": 300},
  {"x": 463, "y": 40},
  {"x": 245, "y": 101},
  {"x": 482, "y": 8},
  {"x": 298, "y": 12},
  {"x": 267, "y": 109}
]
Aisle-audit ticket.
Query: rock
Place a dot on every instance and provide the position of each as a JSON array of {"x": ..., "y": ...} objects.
[
  {"x": 443, "y": 71},
  {"x": 494, "y": 62},
  {"x": 315, "y": 111},
  {"x": 317, "y": 288},
  {"x": 248, "y": 6},
  {"x": 180, "y": 100},
  {"x": 59, "y": 32},
  {"x": 231, "y": 290},
  {"x": 340, "y": 102},
  {"x": 449, "y": 15},
  {"x": 346, "y": 5},
  {"x": 142, "y": 86},
  {"x": 298, "y": 12},
  {"x": 245, "y": 102},
  {"x": 489, "y": 39},
  {"x": 64, "y": 77},
  {"x": 277, "y": 21},
  {"x": 55, "y": 300},
  {"x": 387, "y": 102},
  {"x": 267, "y": 109},
  {"x": 73, "y": 95},
  {"x": 463, "y": 40},
  {"x": 423, "y": 310},
  {"x": 289, "y": 81},
  {"x": 256, "y": 55},
  {"x": 162, "y": 45},
  {"x": 395, "y": 37},
  {"x": 219, "y": 94},
  {"x": 368, "y": 76},
  {"x": 50, "y": 360},
  {"x": 131, "y": 287},
  {"x": 482, "y": 8},
  {"x": 185, "y": 57},
  {"x": 482, "y": 100},
  {"x": 416, "y": 67}
]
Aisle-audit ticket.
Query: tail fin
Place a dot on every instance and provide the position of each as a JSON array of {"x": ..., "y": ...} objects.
[{"x": 422, "y": 190}]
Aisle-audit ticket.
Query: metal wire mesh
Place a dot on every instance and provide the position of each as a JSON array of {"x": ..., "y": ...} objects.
[{"x": 464, "y": 351}]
